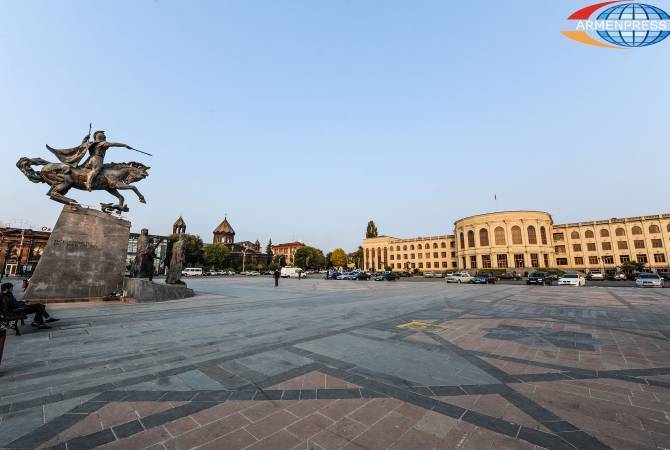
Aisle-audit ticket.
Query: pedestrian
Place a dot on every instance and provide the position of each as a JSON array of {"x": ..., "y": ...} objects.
[
  {"x": 276, "y": 275},
  {"x": 4, "y": 309},
  {"x": 38, "y": 309}
]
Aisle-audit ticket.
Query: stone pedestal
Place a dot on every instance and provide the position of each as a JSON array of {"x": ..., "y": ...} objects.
[
  {"x": 143, "y": 290},
  {"x": 84, "y": 259}
]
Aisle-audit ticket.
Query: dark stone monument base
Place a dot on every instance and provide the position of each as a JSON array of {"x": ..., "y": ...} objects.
[
  {"x": 143, "y": 290},
  {"x": 84, "y": 259}
]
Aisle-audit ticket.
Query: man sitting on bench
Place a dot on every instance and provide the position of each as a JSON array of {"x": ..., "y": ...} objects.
[{"x": 38, "y": 309}]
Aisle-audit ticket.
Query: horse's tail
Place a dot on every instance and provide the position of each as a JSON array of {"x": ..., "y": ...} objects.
[{"x": 25, "y": 166}]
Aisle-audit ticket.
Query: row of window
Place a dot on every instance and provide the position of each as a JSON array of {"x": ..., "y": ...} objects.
[
  {"x": 604, "y": 232},
  {"x": 429, "y": 265},
  {"x": 659, "y": 258},
  {"x": 502, "y": 262},
  {"x": 420, "y": 255},
  {"x": 621, "y": 245},
  {"x": 421, "y": 247},
  {"x": 500, "y": 237}
]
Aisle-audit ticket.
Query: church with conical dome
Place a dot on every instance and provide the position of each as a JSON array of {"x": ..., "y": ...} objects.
[{"x": 251, "y": 253}]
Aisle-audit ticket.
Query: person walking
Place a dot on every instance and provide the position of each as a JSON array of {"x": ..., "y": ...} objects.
[{"x": 276, "y": 275}]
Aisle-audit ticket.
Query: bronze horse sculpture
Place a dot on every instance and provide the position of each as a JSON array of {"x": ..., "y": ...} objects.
[{"x": 62, "y": 177}]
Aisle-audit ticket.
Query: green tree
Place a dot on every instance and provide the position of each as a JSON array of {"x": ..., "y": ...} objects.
[
  {"x": 371, "y": 232},
  {"x": 358, "y": 257},
  {"x": 309, "y": 258},
  {"x": 192, "y": 249},
  {"x": 338, "y": 258},
  {"x": 215, "y": 255},
  {"x": 329, "y": 264},
  {"x": 268, "y": 248},
  {"x": 278, "y": 261},
  {"x": 631, "y": 267}
]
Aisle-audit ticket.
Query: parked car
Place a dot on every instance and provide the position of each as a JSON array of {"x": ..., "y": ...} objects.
[
  {"x": 461, "y": 277},
  {"x": 649, "y": 280},
  {"x": 509, "y": 276},
  {"x": 386, "y": 276},
  {"x": 664, "y": 275},
  {"x": 192, "y": 272},
  {"x": 215, "y": 273},
  {"x": 428, "y": 275},
  {"x": 572, "y": 279},
  {"x": 553, "y": 276},
  {"x": 291, "y": 272},
  {"x": 540, "y": 278},
  {"x": 438, "y": 275},
  {"x": 484, "y": 278},
  {"x": 362, "y": 276},
  {"x": 347, "y": 276},
  {"x": 618, "y": 276},
  {"x": 595, "y": 276},
  {"x": 404, "y": 274}
]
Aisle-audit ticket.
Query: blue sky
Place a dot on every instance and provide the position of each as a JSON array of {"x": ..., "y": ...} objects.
[{"x": 304, "y": 120}]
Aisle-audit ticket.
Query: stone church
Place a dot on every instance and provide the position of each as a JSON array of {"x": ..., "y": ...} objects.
[{"x": 243, "y": 253}]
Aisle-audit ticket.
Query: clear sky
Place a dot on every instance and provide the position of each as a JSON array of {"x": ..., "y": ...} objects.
[{"x": 305, "y": 119}]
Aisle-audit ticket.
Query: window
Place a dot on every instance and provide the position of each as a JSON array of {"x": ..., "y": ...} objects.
[
  {"x": 445, "y": 265},
  {"x": 444, "y": 254},
  {"x": 558, "y": 236},
  {"x": 405, "y": 255},
  {"x": 434, "y": 244},
  {"x": 420, "y": 255},
  {"x": 606, "y": 245},
  {"x": 453, "y": 254},
  {"x": 419, "y": 247},
  {"x": 559, "y": 249},
  {"x": 593, "y": 260},
  {"x": 657, "y": 243},
  {"x": 604, "y": 233},
  {"x": 579, "y": 261},
  {"x": 516, "y": 235},
  {"x": 454, "y": 264},
  {"x": 391, "y": 257},
  {"x": 622, "y": 245},
  {"x": 577, "y": 247},
  {"x": 532, "y": 236},
  {"x": 484, "y": 237},
  {"x": 620, "y": 232},
  {"x": 404, "y": 247},
  {"x": 435, "y": 255},
  {"x": 608, "y": 259},
  {"x": 561, "y": 261},
  {"x": 473, "y": 262},
  {"x": 499, "y": 234},
  {"x": 659, "y": 257},
  {"x": 519, "y": 261},
  {"x": 411, "y": 247},
  {"x": 486, "y": 261},
  {"x": 397, "y": 247},
  {"x": 443, "y": 245},
  {"x": 502, "y": 261},
  {"x": 636, "y": 230},
  {"x": 427, "y": 255},
  {"x": 546, "y": 260},
  {"x": 452, "y": 244},
  {"x": 471, "y": 238},
  {"x": 462, "y": 236},
  {"x": 574, "y": 235},
  {"x": 654, "y": 229},
  {"x": 591, "y": 246},
  {"x": 589, "y": 234},
  {"x": 668, "y": 228},
  {"x": 420, "y": 265},
  {"x": 639, "y": 243},
  {"x": 543, "y": 236},
  {"x": 428, "y": 265},
  {"x": 642, "y": 259},
  {"x": 624, "y": 259},
  {"x": 411, "y": 256},
  {"x": 534, "y": 261}
]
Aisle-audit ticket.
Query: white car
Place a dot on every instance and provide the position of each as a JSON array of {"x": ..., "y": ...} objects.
[
  {"x": 192, "y": 272},
  {"x": 428, "y": 275},
  {"x": 439, "y": 275},
  {"x": 597, "y": 276},
  {"x": 649, "y": 280},
  {"x": 572, "y": 279},
  {"x": 462, "y": 277}
]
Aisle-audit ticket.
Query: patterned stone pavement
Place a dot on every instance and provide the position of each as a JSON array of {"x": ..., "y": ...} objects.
[{"x": 318, "y": 364}]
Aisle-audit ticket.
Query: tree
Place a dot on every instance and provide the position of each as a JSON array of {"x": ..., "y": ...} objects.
[
  {"x": 631, "y": 267},
  {"x": 358, "y": 257},
  {"x": 371, "y": 232},
  {"x": 215, "y": 255},
  {"x": 309, "y": 258},
  {"x": 338, "y": 257},
  {"x": 268, "y": 248},
  {"x": 279, "y": 261},
  {"x": 329, "y": 264},
  {"x": 192, "y": 249}
]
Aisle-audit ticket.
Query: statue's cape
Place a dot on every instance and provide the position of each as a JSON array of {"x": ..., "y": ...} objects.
[{"x": 70, "y": 156}]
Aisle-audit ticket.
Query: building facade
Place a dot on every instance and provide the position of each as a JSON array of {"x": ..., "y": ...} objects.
[
  {"x": 524, "y": 241},
  {"x": 287, "y": 251},
  {"x": 20, "y": 250},
  {"x": 243, "y": 254}
]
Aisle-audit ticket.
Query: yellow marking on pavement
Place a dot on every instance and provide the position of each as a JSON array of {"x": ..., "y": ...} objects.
[{"x": 422, "y": 325}]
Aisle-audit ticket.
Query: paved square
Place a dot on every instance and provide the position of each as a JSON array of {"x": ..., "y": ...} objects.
[{"x": 318, "y": 364}]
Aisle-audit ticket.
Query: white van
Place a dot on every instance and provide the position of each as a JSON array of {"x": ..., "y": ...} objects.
[
  {"x": 192, "y": 272},
  {"x": 292, "y": 272}
]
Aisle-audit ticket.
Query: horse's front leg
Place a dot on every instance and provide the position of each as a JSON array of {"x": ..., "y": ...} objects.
[{"x": 132, "y": 188}]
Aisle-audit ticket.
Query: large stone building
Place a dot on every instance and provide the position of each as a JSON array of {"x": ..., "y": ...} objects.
[
  {"x": 287, "y": 251},
  {"x": 21, "y": 249},
  {"x": 526, "y": 240}
]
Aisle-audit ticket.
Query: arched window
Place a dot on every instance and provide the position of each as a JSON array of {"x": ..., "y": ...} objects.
[
  {"x": 434, "y": 244},
  {"x": 462, "y": 238},
  {"x": 397, "y": 247},
  {"x": 484, "y": 237},
  {"x": 636, "y": 230},
  {"x": 589, "y": 234},
  {"x": 419, "y": 247},
  {"x": 574, "y": 235},
  {"x": 654, "y": 229},
  {"x": 404, "y": 247},
  {"x": 543, "y": 235},
  {"x": 668, "y": 228},
  {"x": 516, "y": 235},
  {"x": 443, "y": 245},
  {"x": 411, "y": 247},
  {"x": 532, "y": 236},
  {"x": 604, "y": 232},
  {"x": 471, "y": 238},
  {"x": 620, "y": 232},
  {"x": 499, "y": 234}
]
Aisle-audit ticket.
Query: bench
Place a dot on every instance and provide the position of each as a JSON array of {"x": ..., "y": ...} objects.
[{"x": 12, "y": 319}]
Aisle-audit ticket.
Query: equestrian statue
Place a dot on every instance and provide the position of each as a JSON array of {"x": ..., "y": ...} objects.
[{"x": 92, "y": 174}]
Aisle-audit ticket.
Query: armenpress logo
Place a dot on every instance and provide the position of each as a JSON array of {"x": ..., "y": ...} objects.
[{"x": 622, "y": 25}]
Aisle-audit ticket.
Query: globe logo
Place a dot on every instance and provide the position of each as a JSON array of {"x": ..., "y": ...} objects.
[{"x": 623, "y": 25}]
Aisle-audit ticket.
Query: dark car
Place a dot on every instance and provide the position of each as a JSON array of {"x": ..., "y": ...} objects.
[
  {"x": 553, "y": 276},
  {"x": 332, "y": 275},
  {"x": 362, "y": 276},
  {"x": 509, "y": 276},
  {"x": 404, "y": 274},
  {"x": 387, "y": 276},
  {"x": 484, "y": 278},
  {"x": 664, "y": 275},
  {"x": 539, "y": 278}
]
